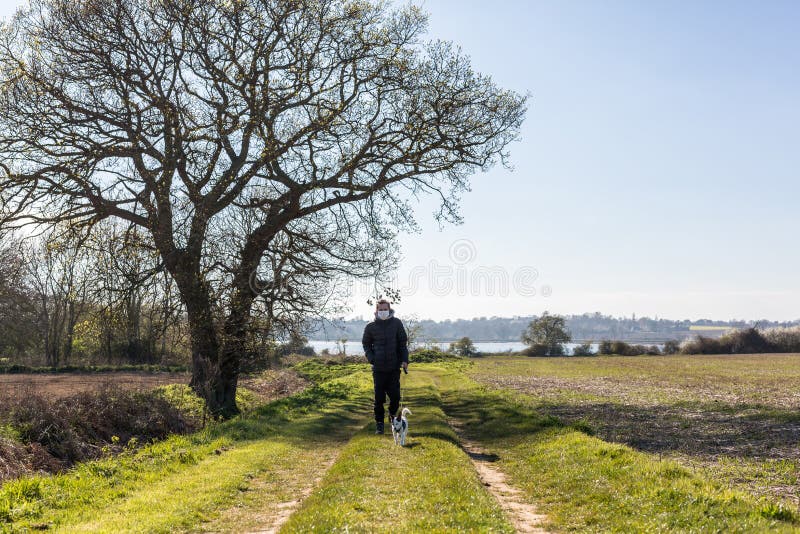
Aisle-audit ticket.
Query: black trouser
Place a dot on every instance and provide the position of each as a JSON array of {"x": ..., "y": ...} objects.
[{"x": 386, "y": 383}]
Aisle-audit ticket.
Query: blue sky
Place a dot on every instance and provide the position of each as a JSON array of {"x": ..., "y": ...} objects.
[
  {"x": 658, "y": 172},
  {"x": 659, "y": 169}
]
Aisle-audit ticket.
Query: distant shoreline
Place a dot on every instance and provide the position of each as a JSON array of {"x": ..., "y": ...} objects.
[{"x": 353, "y": 347}]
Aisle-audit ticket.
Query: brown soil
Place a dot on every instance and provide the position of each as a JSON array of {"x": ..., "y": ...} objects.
[
  {"x": 65, "y": 384},
  {"x": 268, "y": 386},
  {"x": 674, "y": 424}
]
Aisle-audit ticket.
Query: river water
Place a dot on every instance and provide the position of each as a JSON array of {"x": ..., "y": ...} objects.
[{"x": 354, "y": 347}]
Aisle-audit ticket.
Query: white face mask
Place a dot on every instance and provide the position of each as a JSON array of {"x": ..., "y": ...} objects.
[{"x": 383, "y": 314}]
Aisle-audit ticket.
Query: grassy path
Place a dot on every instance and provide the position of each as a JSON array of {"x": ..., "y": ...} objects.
[
  {"x": 430, "y": 485},
  {"x": 256, "y": 510},
  {"x": 251, "y": 473},
  {"x": 523, "y": 514},
  {"x": 242, "y": 475}
]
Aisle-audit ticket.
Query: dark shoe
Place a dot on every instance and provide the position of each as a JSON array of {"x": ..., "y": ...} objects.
[{"x": 379, "y": 428}]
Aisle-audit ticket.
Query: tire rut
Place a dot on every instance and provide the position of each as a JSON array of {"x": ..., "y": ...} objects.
[
  {"x": 285, "y": 509},
  {"x": 523, "y": 515}
]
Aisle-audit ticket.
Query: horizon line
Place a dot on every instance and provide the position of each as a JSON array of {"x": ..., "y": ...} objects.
[{"x": 633, "y": 317}]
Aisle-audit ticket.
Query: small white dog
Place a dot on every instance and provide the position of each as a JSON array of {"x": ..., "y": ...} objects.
[{"x": 400, "y": 427}]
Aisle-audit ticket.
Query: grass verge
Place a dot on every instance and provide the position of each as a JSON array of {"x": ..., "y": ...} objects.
[{"x": 184, "y": 481}]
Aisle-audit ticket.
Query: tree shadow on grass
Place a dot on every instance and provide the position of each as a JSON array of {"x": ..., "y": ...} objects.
[
  {"x": 702, "y": 430},
  {"x": 319, "y": 414},
  {"x": 485, "y": 416},
  {"x": 443, "y": 436}
]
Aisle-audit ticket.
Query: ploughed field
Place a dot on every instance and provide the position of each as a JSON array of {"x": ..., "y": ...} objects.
[
  {"x": 735, "y": 417},
  {"x": 60, "y": 385},
  {"x": 264, "y": 387}
]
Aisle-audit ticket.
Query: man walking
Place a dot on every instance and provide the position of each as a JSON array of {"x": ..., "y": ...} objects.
[{"x": 386, "y": 348}]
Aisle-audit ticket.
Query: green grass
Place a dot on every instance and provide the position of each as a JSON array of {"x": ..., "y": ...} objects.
[
  {"x": 232, "y": 476},
  {"x": 9, "y": 432},
  {"x": 186, "y": 480},
  {"x": 733, "y": 417},
  {"x": 319, "y": 371},
  {"x": 430, "y": 485},
  {"x": 585, "y": 484}
]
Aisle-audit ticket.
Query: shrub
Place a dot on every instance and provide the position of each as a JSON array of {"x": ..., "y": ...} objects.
[
  {"x": 37, "y": 420},
  {"x": 623, "y": 349},
  {"x": 80, "y": 426},
  {"x": 620, "y": 348},
  {"x": 702, "y": 345},
  {"x": 537, "y": 349},
  {"x": 432, "y": 355},
  {"x": 183, "y": 398},
  {"x": 747, "y": 341},
  {"x": 671, "y": 347},
  {"x": 540, "y": 349},
  {"x": 17, "y": 459},
  {"x": 585, "y": 349},
  {"x": 463, "y": 347},
  {"x": 784, "y": 339}
]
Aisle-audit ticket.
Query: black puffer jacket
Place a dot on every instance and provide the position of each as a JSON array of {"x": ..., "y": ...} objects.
[{"x": 385, "y": 343}]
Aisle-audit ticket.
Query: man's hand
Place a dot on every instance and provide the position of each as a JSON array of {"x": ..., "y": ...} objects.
[{"x": 405, "y": 367}]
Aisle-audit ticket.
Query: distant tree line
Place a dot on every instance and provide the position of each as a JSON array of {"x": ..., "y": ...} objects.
[
  {"x": 85, "y": 299},
  {"x": 548, "y": 335},
  {"x": 585, "y": 327},
  {"x": 68, "y": 298}
]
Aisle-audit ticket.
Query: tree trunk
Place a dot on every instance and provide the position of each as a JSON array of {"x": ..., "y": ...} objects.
[
  {"x": 71, "y": 319},
  {"x": 215, "y": 361},
  {"x": 214, "y": 371},
  {"x": 212, "y": 379},
  {"x": 234, "y": 345}
]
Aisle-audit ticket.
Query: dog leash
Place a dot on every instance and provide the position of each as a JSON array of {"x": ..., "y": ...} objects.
[{"x": 400, "y": 409}]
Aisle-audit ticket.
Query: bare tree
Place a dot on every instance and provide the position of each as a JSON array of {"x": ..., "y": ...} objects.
[
  {"x": 131, "y": 293},
  {"x": 17, "y": 307},
  {"x": 414, "y": 331},
  {"x": 248, "y": 136},
  {"x": 56, "y": 268}
]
